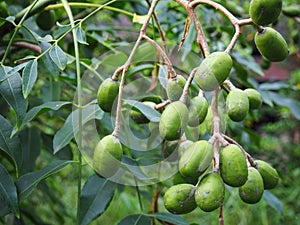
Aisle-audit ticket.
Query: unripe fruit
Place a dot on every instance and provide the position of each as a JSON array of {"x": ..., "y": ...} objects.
[
  {"x": 175, "y": 87},
  {"x": 268, "y": 173},
  {"x": 197, "y": 111},
  {"x": 210, "y": 193},
  {"x": 237, "y": 105},
  {"x": 263, "y": 12},
  {"x": 173, "y": 121},
  {"x": 137, "y": 116},
  {"x": 45, "y": 20},
  {"x": 169, "y": 150},
  {"x": 107, "y": 156},
  {"x": 254, "y": 97},
  {"x": 179, "y": 199},
  {"x": 107, "y": 94},
  {"x": 265, "y": 63},
  {"x": 271, "y": 45},
  {"x": 233, "y": 166},
  {"x": 213, "y": 71},
  {"x": 196, "y": 159},
  {"x": 251, "y": 192},
  {"x": 209, "y": 121},
  {"x": 291, "y": 10},
  {"x": 179, "y": 179}
]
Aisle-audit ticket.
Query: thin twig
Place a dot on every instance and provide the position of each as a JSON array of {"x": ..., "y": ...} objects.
[
  {"x": 162, "y": 105},
  {"x": 27, "y": 45},
  {"x": 187, "y": 85}
]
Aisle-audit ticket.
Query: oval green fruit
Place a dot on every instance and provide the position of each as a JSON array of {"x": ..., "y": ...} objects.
[
  {"x": 45, "y": 20},
  {"x": 254, "y": 97},
  {"x": 175, "y": 87},
  {"x": 179, "y": 199},
  {"x": 179, "y": 179},
  {"x": 251, "y": 192},
  {"x": 210, "y": 193},
  {"x": 137, "y": 116},
  {"x": 107, "y": 156},
  {"x": 268, "y": 173},
  {"x": 107, "y": 94},
  {"x": 263, "y": 12},
  {"x": 233, "y": 166},
  {"x": 237, "y": 105},
  {"x": 196, "y": 159},
  {"x": 213, "y": 71},
  {"x": 271, "y": 45},
  {"x": 173, "y": 121},
  {"x": 291, "y": 10},
  {"x": 197, "y": 111}
]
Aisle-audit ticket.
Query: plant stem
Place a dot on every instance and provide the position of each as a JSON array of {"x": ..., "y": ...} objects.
[{"x": 125, "y": 67}]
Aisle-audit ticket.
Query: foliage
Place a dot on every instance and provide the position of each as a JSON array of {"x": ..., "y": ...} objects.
[{"x": 50, "y": 120}]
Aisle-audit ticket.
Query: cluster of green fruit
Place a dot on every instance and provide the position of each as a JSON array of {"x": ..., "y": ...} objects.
[{"x": 208, "y": 194}]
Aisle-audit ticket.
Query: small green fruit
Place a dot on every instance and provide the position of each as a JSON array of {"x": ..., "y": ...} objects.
[
  {"x": 265, "y": 63},
  {"x": 268, "y": 173},
  {"x": 233, "y": 166},
  {"x": 45, "y": 20},
  {"x": 237, "y": 104},
  {"x": 175, "y": 87},
  {"x": 197, "y": 111},
  {"x": 107, "y": 156},
  {"x": 173, "y": 121},
  {"x": 271, "y": 45},
  {"x": 210, "y": 193},
  {"x": 263, "y": 12},
  {"x": 179, "y": 199},
  {"x": 213, "y": 71},
  {"x": 254, "y": 97},
  {"x": 196, "y": 159},
  {"x": 291, "y": 10},
  {"x": 251, "y": 192},
  {"x": 107, "y": 94}
]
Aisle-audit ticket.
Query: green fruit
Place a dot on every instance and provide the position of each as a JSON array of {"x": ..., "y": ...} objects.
[
  {"x": 254, "y": 97},
  {"x": 175, "y": 87},
  {"x": 263, "y": 12},
  {"x": 233, "y": 166},
  {"x": 45, "y": 20},
  {"x": 237, "y": 105},
  {"x": 196, "y": 159},
  {"x": 169, "y": 150},
  {"x": 179, "y": 199},
  {"x": 210, "y": 193},
  {"x": 209, "y": 121},
  {"x": 271, "y": 45},
  {"x": 251, "y": 192},
  {"x": 107, "y": 94},
  {"x": 197, "y": 111},
  {"x": 137, "y": 116},
  {"x": 179, "y": 179},
  {"x": 183, "y": 146},
  {"x": 265, "y": 63},
  {"x": 291, "y": 10},
  {"x": 173, "y": 121},
  {"x": 3, "y": 9},
  {"x": 107, "y": 156},
  {"x": 213, "y": 71},
  {"x": 268, "y": 173}
]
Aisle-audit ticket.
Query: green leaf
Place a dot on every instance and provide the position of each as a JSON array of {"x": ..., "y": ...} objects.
[
  {"x": 248, "y": 63},
  {"x": 31, "y": 148},
  {"x": 52, "y": 91},
  {"x": 71, "y": 125},
  {"x": 27, "y": 183},
  {"x": 80, "y": 34},
  {"x": 293, "y": 105},
  {"x": 274, "y": 86},
  {"x": 134, "y": 168},
  {"x": 49, "y": 66},
  {"x": 149, "y": 112},
  {"x": 95, "y": 197},
  {"x": 8, "y": 191},
  {"x": 38, "y": 110},
  {"x": 4, "y": 210},
  {"x": 6, "y": 72},
  {"x": 170, "y": 218},
  {"x": 58, "y": 57},
  {"x": 11, "y": 91},
  {"x": 29, "y": 77},
  {"x": 163, "y": 76},
  {"x": 138, "y": 219},
  {"x": 11, "y": 146},
  {"x": 273, "y": 201}
]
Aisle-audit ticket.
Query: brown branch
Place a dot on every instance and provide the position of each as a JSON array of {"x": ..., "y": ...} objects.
[
  {"x": 187, "y": 85},
  {"x": 126, "y": 66},
  {"x": 162, "y": 105},
  {"x": 32, "y": 47},
  {"x": 221, "y": 218}
]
